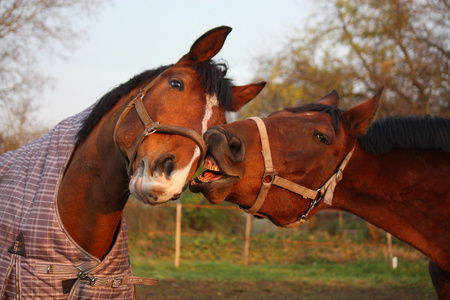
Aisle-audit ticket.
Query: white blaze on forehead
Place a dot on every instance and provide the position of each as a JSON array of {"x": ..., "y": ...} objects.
[
  {"x": 167, "y": 188},
  {"x": 211, "y": 102}
]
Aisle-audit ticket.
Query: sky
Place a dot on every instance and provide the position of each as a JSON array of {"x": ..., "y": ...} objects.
[{"x": 130, "y": 36}]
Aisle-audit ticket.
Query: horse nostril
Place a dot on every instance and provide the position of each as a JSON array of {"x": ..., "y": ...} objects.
[
  {"x": 236, "y": 148},
  {"x": 164, "y": 165},
  {"x": 228, "y": 144},
  {"x": 168, "y": 167}
]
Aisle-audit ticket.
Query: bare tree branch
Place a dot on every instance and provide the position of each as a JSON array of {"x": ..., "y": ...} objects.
[{"x": 29, "y": 30}]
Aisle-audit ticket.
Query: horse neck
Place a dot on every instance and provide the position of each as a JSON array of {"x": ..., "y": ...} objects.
[
  {"x": 93, "y": 191},
  {"x": 402, "y": 192}
]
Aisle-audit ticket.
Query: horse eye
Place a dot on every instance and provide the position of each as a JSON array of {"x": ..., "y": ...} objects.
[
  {"x": 323, "y": 138},
  {"x": 175, "y": 84}
]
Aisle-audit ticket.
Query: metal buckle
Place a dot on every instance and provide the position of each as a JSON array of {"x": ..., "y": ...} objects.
[
  {"x": 312, "y": 204},
  {"x": 319, "y": 192},
  {"x": 269, "y": 177},
  {"x": 85, "y": 277},
  {"x": 152, "y": 129},
  {"x": 117, "y": 282}
]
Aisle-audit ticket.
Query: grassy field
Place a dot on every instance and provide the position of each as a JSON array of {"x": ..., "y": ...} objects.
[
  {"x": 213, "y": 268},
  {"x": 282, "y": 264},
  {"x": 216, "y": 279}
]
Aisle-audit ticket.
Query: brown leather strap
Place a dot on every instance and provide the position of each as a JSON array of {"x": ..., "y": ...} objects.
[
  {"x": 296, "y": 188},
  {"x": 330, "y": 185},
  {"x": 186, "y": 132},
  {"x": 118, "y": 281},
  {"x": 267, "y": 155},
  {"x": 271, "y": 177},
  {"x": 269, "y": 172},
  {"x": 151, "y": 127},
  {"x": 142, "y": 113},
  {"x": 82, "y": 272}
]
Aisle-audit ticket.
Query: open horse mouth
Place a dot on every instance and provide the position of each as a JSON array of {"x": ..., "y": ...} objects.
[
  {"x": 222, "y": 163},
  {"x": 212, "y": 172},
  {"x": 213, "y": 178}
]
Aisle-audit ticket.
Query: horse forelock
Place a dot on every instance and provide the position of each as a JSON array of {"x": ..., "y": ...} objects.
[
  {"x": 212, "y": 77},
  {"x": 411, "y": 132}
]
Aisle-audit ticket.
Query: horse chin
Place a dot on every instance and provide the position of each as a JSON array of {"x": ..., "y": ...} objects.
[
  {"x": 259, "y": 215},
  {"x": 152, "y": 192},
  {"x": 215, "y": 191}
]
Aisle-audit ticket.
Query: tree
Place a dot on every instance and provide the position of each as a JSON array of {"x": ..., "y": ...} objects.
[
  {"x": 356, "y": 46},
  {"x": 30, "y": 29}
]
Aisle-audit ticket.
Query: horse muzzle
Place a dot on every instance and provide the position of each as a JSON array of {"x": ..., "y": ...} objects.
[
  {"x": 163, "y": 184},
  {"x": 222, "y": 163}
]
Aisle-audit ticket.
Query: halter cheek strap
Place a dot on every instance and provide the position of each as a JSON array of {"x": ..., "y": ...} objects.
[
  {"x": 271, "y": 177},
  {"x": 151, "y": 127}
]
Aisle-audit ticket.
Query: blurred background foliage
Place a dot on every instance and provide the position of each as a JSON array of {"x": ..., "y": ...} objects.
[
  {"x": 209, "y": 234},
  {"x": 29, "y": 31},
  {"x": 357, "y": 46}
]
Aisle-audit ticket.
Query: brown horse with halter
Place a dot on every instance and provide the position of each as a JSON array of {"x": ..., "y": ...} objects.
[
  {"x": 392, "y": 173},
  {"x": 65, "y": 193}
]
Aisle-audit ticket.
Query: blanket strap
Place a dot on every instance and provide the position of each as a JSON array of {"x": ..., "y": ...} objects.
[
  {"x": 15, "y": 263},
  {"x": 17, "y": 250},
  {"x": 82, "y": 273},
  {"x": 118, "y": 281}
]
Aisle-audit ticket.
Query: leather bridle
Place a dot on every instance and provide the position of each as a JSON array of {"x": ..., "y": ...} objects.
[
  {"x": 151, "y": 127},
  {"x": 271, "y": 177}
]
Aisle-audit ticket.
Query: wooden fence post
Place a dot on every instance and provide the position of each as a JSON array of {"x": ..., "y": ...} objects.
[
  {"x": 341, "y": 223},
  {"x": 392, "y": 259},
  {"x": 178, "y": 235},
  {"x": 247, "y": 238}
]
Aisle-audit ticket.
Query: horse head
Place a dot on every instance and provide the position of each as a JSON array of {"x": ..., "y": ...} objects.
[
  {"x": 159, "y": 131},
  {"x": 282, "y": 166}
]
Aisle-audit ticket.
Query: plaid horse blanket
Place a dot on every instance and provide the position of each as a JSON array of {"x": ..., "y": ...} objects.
[{"x": 38, "y": 258}]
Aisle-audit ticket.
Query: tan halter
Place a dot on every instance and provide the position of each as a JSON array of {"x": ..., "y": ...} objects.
[
  {"x": 151, "y": 127},
  {"x": 271, "y": 177}
]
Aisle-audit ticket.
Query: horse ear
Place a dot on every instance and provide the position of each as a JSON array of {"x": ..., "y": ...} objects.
[
  {"x": 362, "y": 115},
  {"x": 208, "y": 45},
  {"x": 245, "y": 93},
  {"x": 332, "y": 99}
]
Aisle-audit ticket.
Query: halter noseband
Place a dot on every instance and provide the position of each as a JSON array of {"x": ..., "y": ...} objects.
[
  {"x": 151, "y": 127},
  {"x": 271, "y": 177}
]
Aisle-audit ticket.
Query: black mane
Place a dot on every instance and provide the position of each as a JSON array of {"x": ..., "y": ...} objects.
[
  {"x": 411, "y": 132},
  {"x": 407, "y": 133},
  {"x": 211, "y": 77}
]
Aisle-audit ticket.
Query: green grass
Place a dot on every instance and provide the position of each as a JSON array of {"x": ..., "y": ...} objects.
[
  {"x": 282, "y": 264},
  {"x": 365, "y": 273},
  {"x": 323, "y": 280}
]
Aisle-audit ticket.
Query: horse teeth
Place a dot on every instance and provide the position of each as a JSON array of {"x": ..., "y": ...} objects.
[
  {"x": 214, "y": 168},
  {"x": 202, "y": 179},
  {"x": 210, "y": 164}
]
